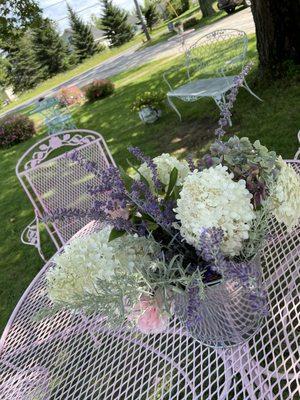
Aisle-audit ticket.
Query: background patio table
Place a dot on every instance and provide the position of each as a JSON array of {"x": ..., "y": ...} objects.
[{"x": 70, "y": 356}]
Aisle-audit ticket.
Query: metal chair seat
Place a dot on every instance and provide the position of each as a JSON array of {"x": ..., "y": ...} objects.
[{"x": 211, "y": 87}]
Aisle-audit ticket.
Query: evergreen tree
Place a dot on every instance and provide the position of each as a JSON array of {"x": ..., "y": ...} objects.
[
  {"x": 82, "y": 37},
  {"x": 24, "y": 71},
  {"x": 114, "y": 23},
  {"x": 150, "y": 14},
  {"x": 50, "y": 50}
]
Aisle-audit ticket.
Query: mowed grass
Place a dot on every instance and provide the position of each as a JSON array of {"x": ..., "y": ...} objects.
[
  {"x": 275, "y": 122},
  {"x": 159, "y": 34}
]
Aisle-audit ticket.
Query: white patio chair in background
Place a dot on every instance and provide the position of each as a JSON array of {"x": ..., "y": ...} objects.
[
  {"x": 52, "y": 181},
  {"x": 211, "y": 65}
]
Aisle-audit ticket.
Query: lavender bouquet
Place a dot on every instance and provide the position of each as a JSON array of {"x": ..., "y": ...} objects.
[{"x": 179, "y": 237}]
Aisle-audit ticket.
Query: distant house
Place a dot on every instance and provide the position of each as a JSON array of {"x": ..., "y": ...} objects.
[
  {"x": 99, "y": 36},
  {"x": 7, "y": 94}
]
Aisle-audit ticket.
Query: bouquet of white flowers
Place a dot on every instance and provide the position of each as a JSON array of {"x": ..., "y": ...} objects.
[{"x": 175, "y": 229}]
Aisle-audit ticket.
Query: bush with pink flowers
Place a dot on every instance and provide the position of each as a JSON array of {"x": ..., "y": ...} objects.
[
  {"x": 15, "y": 128},
  {"x": 70, "y": 95}
]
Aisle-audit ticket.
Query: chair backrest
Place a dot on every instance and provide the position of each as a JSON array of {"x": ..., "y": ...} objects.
[
  {"x": 218, "y": 52},
  {"x": 52, "y": 181},
  {"x": 46, "y": 106}
]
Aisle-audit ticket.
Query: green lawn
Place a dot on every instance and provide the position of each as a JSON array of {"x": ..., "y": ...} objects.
[
  {"x": 275, "y": 122},
  {"x": 160, "y": 33}
]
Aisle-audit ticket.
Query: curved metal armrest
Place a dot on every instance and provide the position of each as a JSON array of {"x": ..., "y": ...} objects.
[
  {"x": 31, "y": 235},
  {"x": 169, "y": 71}
]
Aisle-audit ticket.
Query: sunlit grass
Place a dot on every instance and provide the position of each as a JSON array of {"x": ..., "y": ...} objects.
[{"x": 275, "y": 122}]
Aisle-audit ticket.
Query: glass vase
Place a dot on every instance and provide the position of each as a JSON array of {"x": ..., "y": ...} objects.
[{"x": 229, "y": 311}]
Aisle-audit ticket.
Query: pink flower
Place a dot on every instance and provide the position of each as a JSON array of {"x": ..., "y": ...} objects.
[
  {"x": 148, "y": 315},
  {"x": 119, "y": 213}
]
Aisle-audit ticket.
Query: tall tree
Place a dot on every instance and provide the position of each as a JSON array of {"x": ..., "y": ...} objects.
[
  {"x": 142, "y": 19},
  {"x": 23, "y": 71},
  {"x": 206, "y": 8},
  {"x": 82, "y": 37},
  {"x": 150, "y": 14},
  {"x": 3, "y": 71},
  {"x": 50, "y": 50},
  {"x": 114, "y": 23},
  {"x": 277, "y": 24},
  {"x": 15, "y": 17}
]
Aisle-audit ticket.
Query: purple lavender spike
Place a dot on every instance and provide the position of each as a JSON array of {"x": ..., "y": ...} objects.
[
  {"x": 225, "y": 113},
  {"x": 150, "y": 163}
]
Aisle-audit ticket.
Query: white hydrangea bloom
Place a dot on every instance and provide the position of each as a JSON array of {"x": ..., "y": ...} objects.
[
  {"x": 286, "y": 195},
  {"x": 212, "y": 199},
  {"x": 165, "y": 164},
  {"x": 87, "y": 259}
]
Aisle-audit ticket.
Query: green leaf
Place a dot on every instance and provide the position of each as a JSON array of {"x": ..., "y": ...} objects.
[
  {"x": 128, "y": 181},
  {"x": 176, "y": 192},
  {"x": 114, "y": 234},
  {"x": 137, "y": 171},
  {"x": 152, "y": 226},
  {"x": 172, "y": 181}
]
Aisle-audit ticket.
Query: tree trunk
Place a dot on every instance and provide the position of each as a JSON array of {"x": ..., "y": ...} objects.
[
  {"x": 140, "y": 15},
  {"x": 277, "y": 24},
  {"x": 206, "y": 8}
]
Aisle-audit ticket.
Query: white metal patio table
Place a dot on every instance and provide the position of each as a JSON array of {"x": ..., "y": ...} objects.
[{"x": 74, "y": 357}]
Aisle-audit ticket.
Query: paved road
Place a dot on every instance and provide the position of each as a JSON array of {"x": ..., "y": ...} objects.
[{"x": 134, "y": 57}]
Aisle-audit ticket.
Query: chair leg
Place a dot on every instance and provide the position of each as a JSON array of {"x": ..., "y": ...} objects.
[
  {"x": 245, "y": 86},
  {"x": 172, "y": 105}
]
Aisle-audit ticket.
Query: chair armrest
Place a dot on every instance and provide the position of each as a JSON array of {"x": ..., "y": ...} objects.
[
  {"x": 31, "y": 235},
  {"x": 170, "y": 71}
]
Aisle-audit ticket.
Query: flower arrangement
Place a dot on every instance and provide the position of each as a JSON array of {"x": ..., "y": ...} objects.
[
  {"x": 15, "y": 128},
  {"x": 152, "y": 99},
  {"x": 99, "y": 89},
  {"x": 175, "y": 227},
  {"x": 70, "y": 95}
]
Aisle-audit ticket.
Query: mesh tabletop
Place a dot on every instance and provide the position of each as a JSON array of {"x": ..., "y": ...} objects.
[{"x": 70, "y": 356}]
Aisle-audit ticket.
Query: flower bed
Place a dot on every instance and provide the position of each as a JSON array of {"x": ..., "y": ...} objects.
[{"x": 70, "y": 95}]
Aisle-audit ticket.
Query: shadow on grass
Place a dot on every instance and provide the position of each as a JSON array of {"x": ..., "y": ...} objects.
[{"x": 275, "y": 122}]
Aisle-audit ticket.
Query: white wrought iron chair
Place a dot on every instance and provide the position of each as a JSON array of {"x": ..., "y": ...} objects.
[
  {"x": 52, "y": 181},
  {"x": 211, "y": 65}
]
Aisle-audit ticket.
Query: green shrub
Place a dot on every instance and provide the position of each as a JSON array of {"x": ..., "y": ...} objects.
[
  {"x": 148, "y": 99},
  {"x": 15, "y": 128},
  {"x": 99, "y": 89},
  {"x": 190, "y": 22}
]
